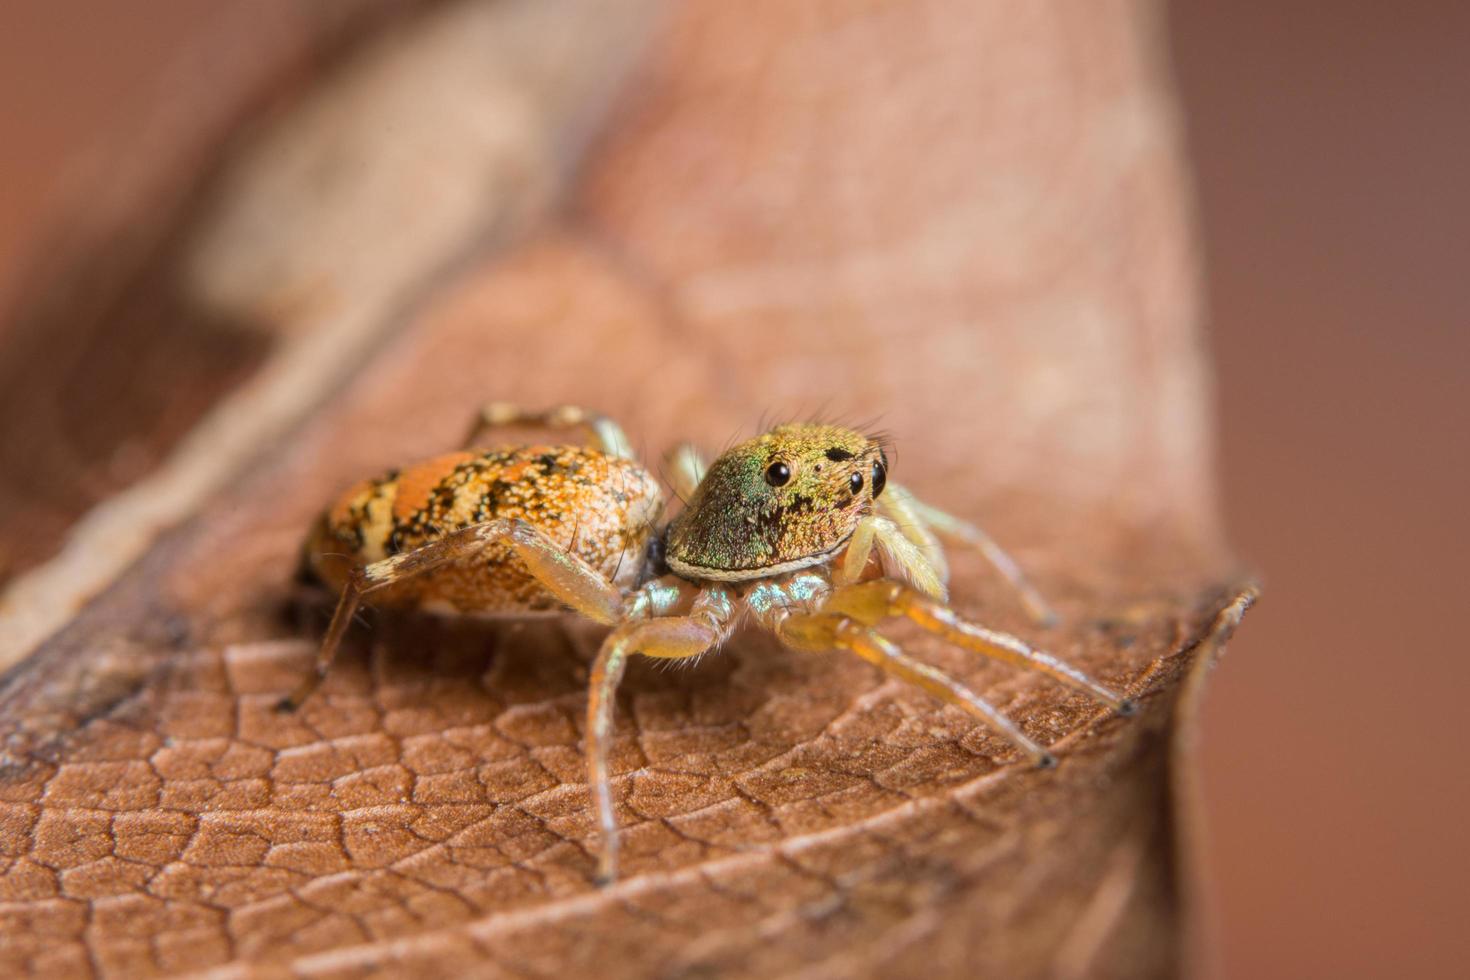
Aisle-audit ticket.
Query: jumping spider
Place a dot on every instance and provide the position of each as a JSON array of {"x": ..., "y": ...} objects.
[{"x": 784, "y": 528}]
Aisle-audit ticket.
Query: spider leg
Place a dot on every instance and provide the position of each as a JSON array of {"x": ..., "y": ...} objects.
[
  {"x": 898, "y": 505},
  {"x": 685, "y": 468},
  {"x": 870, "y": 602},
  {"x": 565, "y": 575},
  {"x": 827, "y": 631},
  {"x": 606, "y": 434},
  {"x": 710, "y": 620},
  {"x": 947, "y": 525},
  {"x": 901, "y": 558}
]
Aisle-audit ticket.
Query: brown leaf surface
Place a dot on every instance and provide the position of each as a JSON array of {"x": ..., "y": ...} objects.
[{"x": 964, "y": 220}]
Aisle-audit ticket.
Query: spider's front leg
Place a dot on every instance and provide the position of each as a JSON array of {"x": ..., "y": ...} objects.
[
  {"x": 902, "y": 508},
  {"x": 921, "y": 522},
  {"x": 822, "y": 631},
  {"x": 684, "y": 467},
  {"x": 869, "y": 603},
  {"x": 565, "y": 575},
  {"x": 898, "y": 553},
  {"x": 710, "y": 621}
]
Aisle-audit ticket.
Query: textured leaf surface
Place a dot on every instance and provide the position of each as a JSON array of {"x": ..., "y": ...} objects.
[{"x": 964, "y": 221}]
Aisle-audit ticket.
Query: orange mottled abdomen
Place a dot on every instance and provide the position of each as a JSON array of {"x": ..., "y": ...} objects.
[{"x": 599, "y": 507}]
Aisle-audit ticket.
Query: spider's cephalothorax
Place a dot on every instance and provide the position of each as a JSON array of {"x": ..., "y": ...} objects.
[
  {"x": 798, "y": 528},
  {"x": 787, "y": 500}
]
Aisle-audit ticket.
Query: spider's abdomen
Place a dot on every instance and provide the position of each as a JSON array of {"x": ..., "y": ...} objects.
[{"x": 599, "y": 507}]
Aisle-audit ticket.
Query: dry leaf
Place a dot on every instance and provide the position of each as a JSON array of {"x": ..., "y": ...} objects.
[{"x": 966, "y": 220}]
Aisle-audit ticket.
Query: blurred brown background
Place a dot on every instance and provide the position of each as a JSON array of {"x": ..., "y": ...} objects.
[{"x": 1330, "y": 147}]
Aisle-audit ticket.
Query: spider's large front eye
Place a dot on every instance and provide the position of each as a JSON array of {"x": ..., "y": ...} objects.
[
  {"x": 880, "y": 478},
  {"x": 778, "y": 474}
]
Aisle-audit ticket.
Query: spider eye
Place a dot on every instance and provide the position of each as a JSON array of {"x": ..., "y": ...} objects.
[
  {"x": 778, "y": 474},
  {"x": 880, "y": 478},
  {"x": 855, "y": 483}
]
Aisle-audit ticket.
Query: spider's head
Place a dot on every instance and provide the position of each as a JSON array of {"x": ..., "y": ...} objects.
[{"x": 786, "y": 500}]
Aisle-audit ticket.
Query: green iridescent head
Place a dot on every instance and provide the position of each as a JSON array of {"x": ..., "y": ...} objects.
[{"x": 786, "y": 500}]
